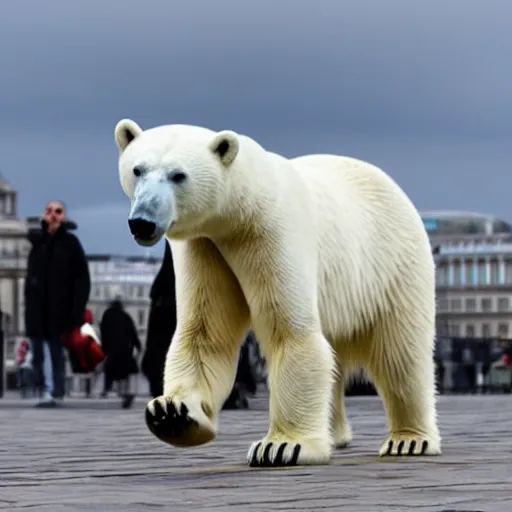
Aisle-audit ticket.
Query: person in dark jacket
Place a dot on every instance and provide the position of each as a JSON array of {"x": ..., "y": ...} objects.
[
  {"x": 57, "y": 287},
  {"x": 119, "y": 340},
  {"x": 161, "y": 324}
]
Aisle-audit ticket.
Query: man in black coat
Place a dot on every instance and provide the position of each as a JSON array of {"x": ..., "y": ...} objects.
[{"x": 57, "y": 287}]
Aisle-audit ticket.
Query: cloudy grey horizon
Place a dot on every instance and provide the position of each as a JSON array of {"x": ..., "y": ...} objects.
[{"x": 421, "y": 89}]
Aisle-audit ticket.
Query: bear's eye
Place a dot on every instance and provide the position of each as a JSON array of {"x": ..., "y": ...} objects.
[
  {"x": 138, "y": 170},
  {"x": 177, "y": 177}
]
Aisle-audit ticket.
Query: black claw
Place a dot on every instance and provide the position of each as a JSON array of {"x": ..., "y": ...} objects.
[
  {"x": 254, "y": 463},
  {"x": 295, "y": 456},
  {"x": 424, "y": 447},
  {"x": 166, "y": 422},
  {"x": 278, "y": 461},
  {"x": 400, "y": 447},
  {"x": 265, "y": 461},
  {"x": 279, "y": 455},
  {"x": 390, "y": 448},
  {"x": 412, "y": 446},
  {"x": 159, "y": 411}
]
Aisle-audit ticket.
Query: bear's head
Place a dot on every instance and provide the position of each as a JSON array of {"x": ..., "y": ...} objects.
[{"x": 175, "y": 176}]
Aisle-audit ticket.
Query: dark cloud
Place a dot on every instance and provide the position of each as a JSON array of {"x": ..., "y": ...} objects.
[{"x": 419, "y": 88}]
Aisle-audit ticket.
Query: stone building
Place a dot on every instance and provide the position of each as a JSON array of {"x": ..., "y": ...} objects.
[
  {"x": 474, "y": 273},
  {"x": 14, "y": 249}
]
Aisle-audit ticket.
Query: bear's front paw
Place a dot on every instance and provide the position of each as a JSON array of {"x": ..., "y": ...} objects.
[
  {"x": 269, "y": 453},
  {"x": 179, "y": 424},
  {"x": 409, "y": 444}
]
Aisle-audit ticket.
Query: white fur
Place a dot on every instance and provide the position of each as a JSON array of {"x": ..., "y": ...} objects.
[{"x": 317, "y": 252}]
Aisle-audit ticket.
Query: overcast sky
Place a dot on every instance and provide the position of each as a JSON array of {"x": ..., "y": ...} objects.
[{"x": 422, "y": 89}]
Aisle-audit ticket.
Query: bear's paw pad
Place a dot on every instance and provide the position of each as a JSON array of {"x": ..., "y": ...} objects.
[
  {"x": 172, "y": 422},
  {"x": 273, "y": 454},
  {"x": 408, "y": 445}
]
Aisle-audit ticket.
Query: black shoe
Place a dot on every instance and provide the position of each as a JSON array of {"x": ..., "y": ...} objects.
[
  {"x": 127, "y": 401},
  {"x": 47, "y": 404}
]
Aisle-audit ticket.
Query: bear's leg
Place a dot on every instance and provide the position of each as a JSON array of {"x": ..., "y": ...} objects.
[
  {"x": 405, "y": 381},
  {"x": 300, "y": 380},
  {"x": 201, "y": 363},
  {"x": 340, "y": 424}
]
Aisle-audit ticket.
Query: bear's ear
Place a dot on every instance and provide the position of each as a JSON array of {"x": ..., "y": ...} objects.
[
  {"x": 125, "y": 132},
  {"x": 225, "y": 145}
]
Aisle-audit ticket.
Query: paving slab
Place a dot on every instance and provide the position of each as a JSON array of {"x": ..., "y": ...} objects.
[{"x": 92, "y": 455}]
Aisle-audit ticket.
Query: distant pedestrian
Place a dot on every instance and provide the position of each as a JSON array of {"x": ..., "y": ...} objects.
[
  {"x": 25, "y": 372},
  {"x": 57, "y": 287},
  {"x": 245, "y": 379},
  {"x": 120, "y": 341}
]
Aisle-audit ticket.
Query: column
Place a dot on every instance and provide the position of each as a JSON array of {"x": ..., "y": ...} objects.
[
  {"x": 463, "y": 277},
  {"x": 501, "y": 270},
  {"x": 487, "y": 271},
  {"x": 450, "y": 272},
  {"x": 475, "y": 272}
]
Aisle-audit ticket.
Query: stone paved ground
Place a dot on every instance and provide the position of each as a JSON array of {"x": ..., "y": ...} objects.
[{"x": 90, "y": 455}]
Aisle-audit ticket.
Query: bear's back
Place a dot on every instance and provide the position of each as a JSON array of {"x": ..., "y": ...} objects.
[{"x": 370, "y": 237}]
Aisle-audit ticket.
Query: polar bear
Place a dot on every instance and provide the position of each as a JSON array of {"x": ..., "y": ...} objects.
[{"x": 325, "y": 256}]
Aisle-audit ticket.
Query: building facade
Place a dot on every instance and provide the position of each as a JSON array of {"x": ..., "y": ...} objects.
[
  {"x": 14, "y": 249},
  {"x": 129, "y": 278},
  {"x": 474, "y": 273}
]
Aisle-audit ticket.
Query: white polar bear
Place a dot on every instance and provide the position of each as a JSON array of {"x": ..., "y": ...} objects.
[{"x": 318, "y": 253}]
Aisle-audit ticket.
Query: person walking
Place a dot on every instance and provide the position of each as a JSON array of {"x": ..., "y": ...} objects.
[
  {"x": 57, "y": 287},
  {"x": 119, "y": 341}
]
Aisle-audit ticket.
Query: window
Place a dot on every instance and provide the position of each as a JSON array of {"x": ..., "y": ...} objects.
[
  {"x": 508, "y": 272},
  {"x": 486, "y": 331},
  {"x": 486, "y": 305},
  {"x": 455, "y": 305},
  {"x": 482, "y": 272},
  {"x": 503, "y": 330},
  {"x": 470, "y": 305},
  {"x": 442, "y": 276},
  {"x": 456, "y": 273},
  {"x": 140, "y": 291},
  {"x": 503, "y": 304},
  {"x": 470, "y": 331},
  {"x": 468, "y": 266},
  {"x": 495, "y": 273},
  {"x": 442, "y": 305},
  {"x": 455, "y": 330}
]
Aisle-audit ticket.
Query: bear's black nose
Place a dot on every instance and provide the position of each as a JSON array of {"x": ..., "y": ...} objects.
[{"x": 140, "y": 228}]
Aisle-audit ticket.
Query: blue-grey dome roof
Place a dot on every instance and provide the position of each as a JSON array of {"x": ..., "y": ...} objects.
[{"x": 450, "y": 222}]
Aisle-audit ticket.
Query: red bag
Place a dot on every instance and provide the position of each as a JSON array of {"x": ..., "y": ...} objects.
[
  {"x": 86, "y": 349},
  {"x": 21, "y": 353}
]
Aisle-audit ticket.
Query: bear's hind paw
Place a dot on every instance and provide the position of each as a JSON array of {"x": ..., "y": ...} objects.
[
  {"x": 267, "y": 454},
  {"x": 343, "y": 438},
  {"x": 409, "y": 444},
  {"x": 172, "y": 422}
]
